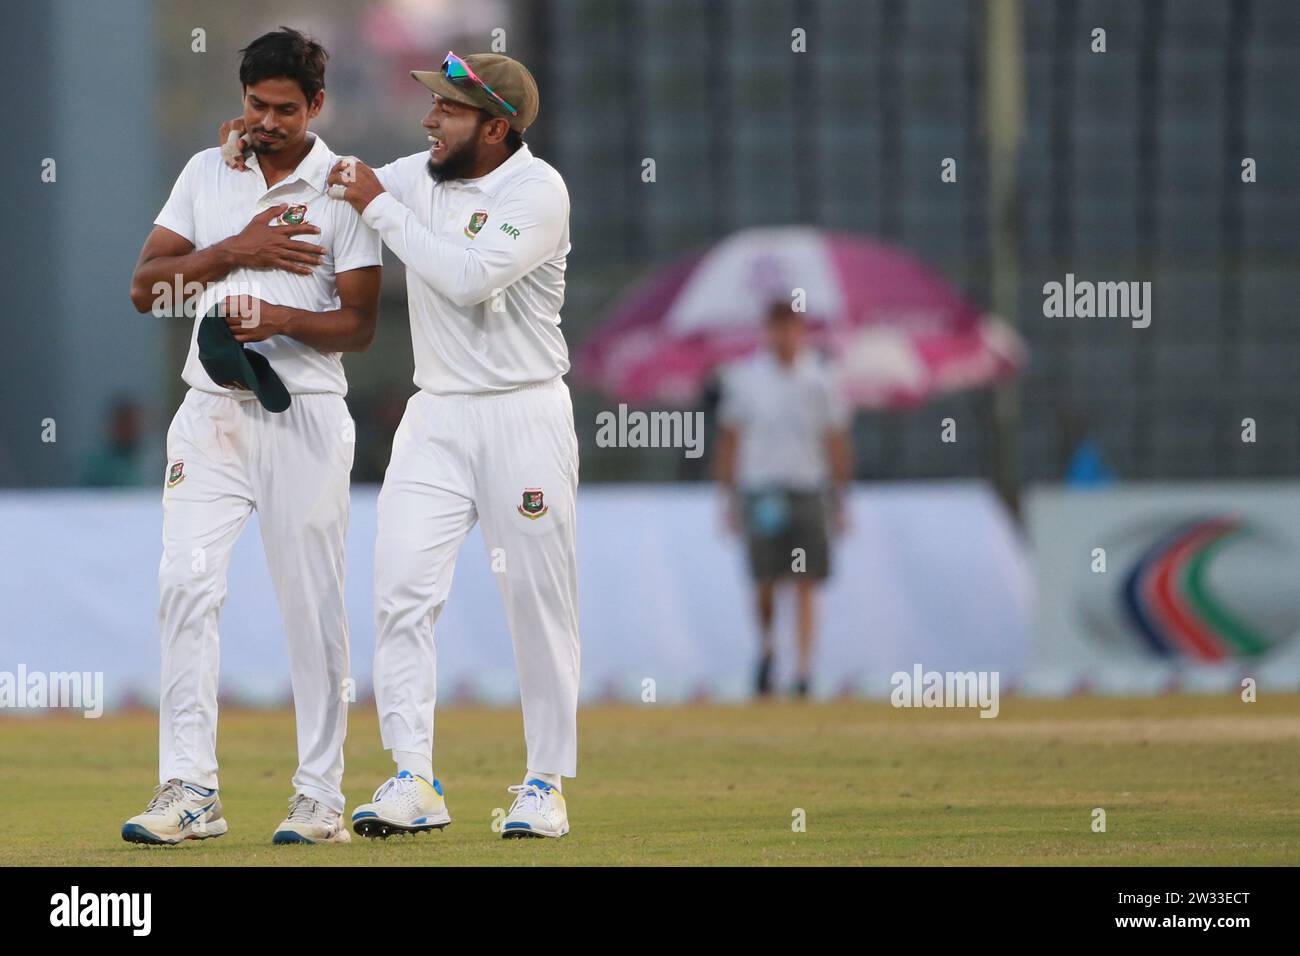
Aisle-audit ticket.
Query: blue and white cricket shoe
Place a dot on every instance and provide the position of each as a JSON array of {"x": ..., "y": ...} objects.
[
  {"x": 538, "y": 811},
  {"x": 310, "y": 821},
  {"x": 178, "y": 811},
  {"x": 406, "y": 803}
]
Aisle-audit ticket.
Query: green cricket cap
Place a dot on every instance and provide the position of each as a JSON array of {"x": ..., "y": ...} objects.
[
  {"x": 231, "y": 365},
  {"x": 508, "y": 78}
]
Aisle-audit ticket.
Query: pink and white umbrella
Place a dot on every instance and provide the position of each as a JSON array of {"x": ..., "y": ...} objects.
[{"x": 897, "y": 333}]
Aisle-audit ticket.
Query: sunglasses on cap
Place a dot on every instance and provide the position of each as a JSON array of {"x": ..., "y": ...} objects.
[{"x": 461, "y": 74}]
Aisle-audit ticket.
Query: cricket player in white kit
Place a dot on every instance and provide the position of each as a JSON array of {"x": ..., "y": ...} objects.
[
  {"x": 483, "y": 228},
  {"x": 308, "y": 272}
]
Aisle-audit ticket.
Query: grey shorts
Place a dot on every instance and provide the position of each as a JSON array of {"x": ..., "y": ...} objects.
[{"x": 780, "y": 521}]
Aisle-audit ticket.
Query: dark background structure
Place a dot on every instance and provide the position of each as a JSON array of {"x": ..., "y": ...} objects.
[{"x": 1129, "y": 169}]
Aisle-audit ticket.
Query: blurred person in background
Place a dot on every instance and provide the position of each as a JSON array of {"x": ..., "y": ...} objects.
[
  {"x": 119, "y": 462},
  {"x": 784, "y": 463},
  {"x": 1085, "y": 466}
]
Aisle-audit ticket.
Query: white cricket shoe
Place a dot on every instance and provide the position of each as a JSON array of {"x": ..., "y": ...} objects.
[
  {"x": 406, "y": 803},
  {"x": 178, "y": 811},
  {"x": 538, "y": 811},
  {"x": 310, "y": 821}
]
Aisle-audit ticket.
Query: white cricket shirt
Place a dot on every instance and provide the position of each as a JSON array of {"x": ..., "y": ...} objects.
[
  {"x": 211, "y": 202},
  {"x": 484, "y": 271},
  {"x": 782, "y": 416}
]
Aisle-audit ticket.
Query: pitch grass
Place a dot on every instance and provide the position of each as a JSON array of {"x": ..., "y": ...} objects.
[{"x": 1183, "y": 780}]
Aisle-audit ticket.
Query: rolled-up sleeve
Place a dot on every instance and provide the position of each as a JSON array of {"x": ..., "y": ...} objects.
[
  {"x": 356, "y": 246},
  {"x": 178, "y": 214}
]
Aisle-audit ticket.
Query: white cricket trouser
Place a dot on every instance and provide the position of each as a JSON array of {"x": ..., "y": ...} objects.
[
  {"x": 293, "y": 467},
  {"x": 510, "y": 461}
]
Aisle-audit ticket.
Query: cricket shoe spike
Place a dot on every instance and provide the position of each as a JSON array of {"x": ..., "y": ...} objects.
[
  {"x": 178, "y": 811},
  {"x": 406, "y": 803},
  {"x": 538, "y": 811},
  {"x": 310, "y": 821}
]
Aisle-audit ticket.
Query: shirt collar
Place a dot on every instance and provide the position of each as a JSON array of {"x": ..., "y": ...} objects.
[
  {"x": 493, "y": 181},
  {"x": 313, "y": 169},
  {"x": 803, "y": 362}
]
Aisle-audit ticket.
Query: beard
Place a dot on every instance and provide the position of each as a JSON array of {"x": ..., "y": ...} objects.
[
  {"x": 262, "y": 148},
  {"x": 459, "y": 162}
]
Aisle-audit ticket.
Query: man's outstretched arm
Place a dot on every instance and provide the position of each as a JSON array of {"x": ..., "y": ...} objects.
[{"x": 531, "y": 223}]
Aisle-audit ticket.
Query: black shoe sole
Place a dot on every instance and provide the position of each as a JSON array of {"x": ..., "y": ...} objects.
[{"x": 381, "y": 830}]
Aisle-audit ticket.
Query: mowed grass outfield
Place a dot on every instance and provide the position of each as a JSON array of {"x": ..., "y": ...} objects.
[{"x": 1183, "y": 780}]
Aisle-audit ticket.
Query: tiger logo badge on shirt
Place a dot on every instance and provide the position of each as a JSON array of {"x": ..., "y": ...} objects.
[
  {"x": 295, "y": 215},
  {"x": 534, "y": 504},
  {"x": 476, "y": 223},
  {"x": 176, "y": 473}
]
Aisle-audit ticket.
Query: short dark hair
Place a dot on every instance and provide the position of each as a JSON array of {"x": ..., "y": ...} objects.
[
  {"x": 285, "y": 53},
  {"x": 783, "y": 311}
]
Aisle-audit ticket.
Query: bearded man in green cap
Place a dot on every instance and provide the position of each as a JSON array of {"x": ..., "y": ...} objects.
[{"x": 483, "y": 228}]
